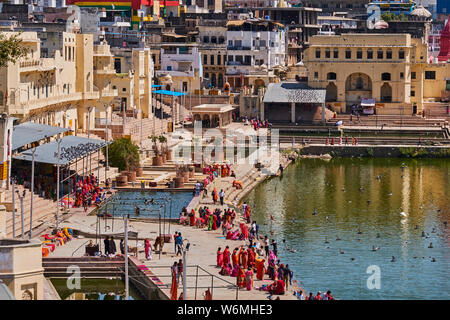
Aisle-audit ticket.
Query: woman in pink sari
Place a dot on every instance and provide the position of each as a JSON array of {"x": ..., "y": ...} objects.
[
  {"x": 249, "y": 279},
  {"x": 147, "y": 249},
  {"x": 235, "y": 271}
]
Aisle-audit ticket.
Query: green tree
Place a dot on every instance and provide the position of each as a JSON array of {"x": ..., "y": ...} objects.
[
  {"x": 11, "y": 49},
  {"x": 123, "y": 154}
]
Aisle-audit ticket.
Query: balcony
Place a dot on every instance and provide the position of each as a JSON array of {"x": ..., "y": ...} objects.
[
  {"x": 45, "y": 64},
  {"x": 27, "y": 106},
  {"x": 109, "y": 93},
  {"x": 238, "y": 48},
  {"x": 238, "y": 63}
]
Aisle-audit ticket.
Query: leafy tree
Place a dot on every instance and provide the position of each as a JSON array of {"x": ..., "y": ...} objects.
[
  {"x": 124, "y": 154},
  {"x": 11, "y": 49}
]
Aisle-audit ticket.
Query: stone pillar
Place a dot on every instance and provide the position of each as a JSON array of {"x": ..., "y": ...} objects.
[
  {"x": 323, "y": 112},
  {"x": 293, "y": 112}
]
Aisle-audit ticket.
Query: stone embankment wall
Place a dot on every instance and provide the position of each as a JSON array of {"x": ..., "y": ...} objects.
[{"x": 379, "y": 151}]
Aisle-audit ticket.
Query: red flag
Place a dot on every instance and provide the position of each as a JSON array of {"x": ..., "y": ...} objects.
[{"x": 271, "y": 217}]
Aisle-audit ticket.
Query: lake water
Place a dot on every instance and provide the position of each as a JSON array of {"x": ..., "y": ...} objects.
[
  {"x": 340, "y": 190},
  {"x": 95, "y": 289}
]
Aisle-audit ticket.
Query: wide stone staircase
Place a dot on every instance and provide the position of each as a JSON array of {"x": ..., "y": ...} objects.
[
  {"x": 44, "y": 211},
  {"x": 90, "y": 267}
]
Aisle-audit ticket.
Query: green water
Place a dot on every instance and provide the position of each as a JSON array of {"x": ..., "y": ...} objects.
[
  {"x": 95, "y": 289},
  {"x": 421, "y": 189}
]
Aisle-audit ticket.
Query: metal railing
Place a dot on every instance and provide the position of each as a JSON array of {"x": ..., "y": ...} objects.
[{"x": 198, "y": 275}]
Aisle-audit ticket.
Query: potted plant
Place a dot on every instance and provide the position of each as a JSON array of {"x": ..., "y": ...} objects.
[
  {"x": 163, "y": 142},
  {"x": 179, "y": 178}
]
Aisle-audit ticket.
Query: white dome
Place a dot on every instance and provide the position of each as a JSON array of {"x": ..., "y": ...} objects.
[{"x": 420, "y": 11}]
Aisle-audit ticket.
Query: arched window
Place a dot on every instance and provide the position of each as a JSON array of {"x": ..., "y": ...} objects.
[
  {"x": 220, "y": 81},
  {"x": 331, "y": 76},
  {"x": 386, "y": 76}
]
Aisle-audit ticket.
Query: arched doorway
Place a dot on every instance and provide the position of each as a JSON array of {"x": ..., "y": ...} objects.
[
  {"x": 386, "y": 92},
  {"x": 213, "y": 80},
  {"x": 357, "y": 86},
  {"x": 206, "y": 121},
  {"x": 259, "y": 83},
  {"x": 331, "y": 94},
  {"x": 197, "y": 117},
  {"x": 215, "y": 121}
]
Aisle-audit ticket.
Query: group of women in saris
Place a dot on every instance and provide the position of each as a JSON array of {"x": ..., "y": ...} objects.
[
  {"x": 241, "y": 265},
  {"x": 87, "y": 191},
  {"x": 225, "y": 170}
]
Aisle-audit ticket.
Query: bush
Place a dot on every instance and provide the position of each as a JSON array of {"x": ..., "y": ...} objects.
[{"x": 123, "y": 154}]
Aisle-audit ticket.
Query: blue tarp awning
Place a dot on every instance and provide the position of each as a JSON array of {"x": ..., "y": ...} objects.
[
  {"x": 156, "y": 86},
  {"x": 170, "y": 93},
  {"x": 72, "y": 148},
  {"x": 29, "y": 132}
]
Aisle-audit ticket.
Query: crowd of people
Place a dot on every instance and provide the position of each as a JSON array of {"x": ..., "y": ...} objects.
[
  {"x": 340, "y": 140},
  {"x": 256, "y": 123},
  {"x": 61, "y": 237},
  {"x": 87, "y": 192}
]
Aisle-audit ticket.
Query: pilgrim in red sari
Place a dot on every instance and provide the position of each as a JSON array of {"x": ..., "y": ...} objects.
[
  {"x": 219, "y": 258},
  {"x": 244, "y": 230},
  {"x": 226, "y": 256},
  {"x": 260, "y": 269},
  {"x": 192, "y": 218},
  {"x": 251, "y": 257},
  {"x": 277, "y": 287},
  {"x": 214, "y": 224},
  {"x": 244, "y": 259}
]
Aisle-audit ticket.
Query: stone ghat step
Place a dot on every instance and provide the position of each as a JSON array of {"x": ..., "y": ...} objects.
[
  {"x": 83, "y": 274},
  {"x": 91, "y": 264},
  {"x": 87, "y": 268},
  {"x": 83, "y": 259}
]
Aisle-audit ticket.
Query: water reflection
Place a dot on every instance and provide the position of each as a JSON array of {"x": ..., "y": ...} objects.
[{"x": 390, "y": 201}]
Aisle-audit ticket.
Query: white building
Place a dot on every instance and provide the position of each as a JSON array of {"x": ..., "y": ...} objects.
[
  {"x": 182, "y": 62},
  {"x": 253, "y": 44}
]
